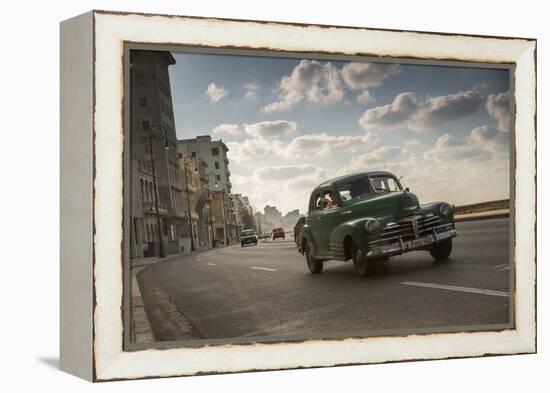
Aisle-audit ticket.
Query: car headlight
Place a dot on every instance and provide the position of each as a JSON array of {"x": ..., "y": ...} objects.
[
  {"x": 372, "y": 226},
  {"x": 445, "y": 209}
]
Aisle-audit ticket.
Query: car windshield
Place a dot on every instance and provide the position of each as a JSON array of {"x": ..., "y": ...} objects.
[
  {"x": 365, "y": 185},
  {"x": 248, "y": 232},
  {"x": 384, "y": 184}
]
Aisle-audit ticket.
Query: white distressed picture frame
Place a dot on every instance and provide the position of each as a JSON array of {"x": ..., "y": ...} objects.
[{"x": 92, "y": 147}]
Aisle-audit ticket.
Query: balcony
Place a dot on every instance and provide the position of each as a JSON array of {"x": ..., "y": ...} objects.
[{"x": 149, "y": 208}]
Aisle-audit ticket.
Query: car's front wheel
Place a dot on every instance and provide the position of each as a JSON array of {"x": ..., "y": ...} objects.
[
  {"x": 442, "y": 250},
  {"x": 315, "y": 265},
  {"x": 360, "y": 261}
]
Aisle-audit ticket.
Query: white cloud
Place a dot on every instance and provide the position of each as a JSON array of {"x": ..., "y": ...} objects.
[
  {"x": 498, "y": 106},
  {"x": 231, "y": 129},
  {"x": 492, "y": 139},
  {"x": 360, "y": 76},
  {"x": 322, "y": 144},
  {"x": 384, "y": 158},
  {"x": 251, "y": 149},
  {"x": 215, "y": 93},
  {"x": 407, "y": 111},
  {"x": 251, "y": 90},
  {"x": 284, "y": 172},
  {"x": 451, "y": 149},
  {"x": 483, "y": 143},
  {"x": 309, "y": 81},
  {"x": 365, "y": 98},
  {"x": 265, "y": 129},
  {"x": 270, "y": 129},
  {"x": 394, "y": 115},
  {"x": 324, "y": 83}
]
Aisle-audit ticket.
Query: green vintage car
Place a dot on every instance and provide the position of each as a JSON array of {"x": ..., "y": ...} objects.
[{"x": 367, "y": 217}]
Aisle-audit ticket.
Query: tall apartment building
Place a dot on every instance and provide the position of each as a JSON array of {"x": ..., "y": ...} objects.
[
  {"x": 214, "y": 154},
  {"x": 272, "y": 215},
  {"x": 153, "y": 145}
]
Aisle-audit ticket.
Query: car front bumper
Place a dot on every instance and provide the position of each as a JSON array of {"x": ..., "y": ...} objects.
[
  {"x": 249, "y": 240},
  {"x": 401, "y": 246}
]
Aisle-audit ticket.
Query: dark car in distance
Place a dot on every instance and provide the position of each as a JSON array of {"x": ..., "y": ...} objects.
[
  {"x": 277, "y": 233},
  {"x": 297, "y": 228},
  {"x": 248, "y": 236},
  {"x": 369, "y": 216}
]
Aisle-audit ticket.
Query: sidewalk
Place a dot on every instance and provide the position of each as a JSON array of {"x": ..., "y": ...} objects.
[
  {"x": 139, "y": 262},
  {"x": 501, "y": 213},
  {"x": 141, "y": 331}
]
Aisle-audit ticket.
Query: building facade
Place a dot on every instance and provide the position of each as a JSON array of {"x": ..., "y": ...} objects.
[
  {"x": 214, "y": 155},
  {"x": 153, "y": 145},
  {"x": 198, "y": 202},
  {"x": 273, "y": 216}
]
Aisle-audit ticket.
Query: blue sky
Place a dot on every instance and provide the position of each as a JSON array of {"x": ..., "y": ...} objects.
[{"x": 290, "y": 123}]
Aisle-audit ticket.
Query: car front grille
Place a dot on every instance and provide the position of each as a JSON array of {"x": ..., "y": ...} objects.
[{"x": 410, "y": 227}]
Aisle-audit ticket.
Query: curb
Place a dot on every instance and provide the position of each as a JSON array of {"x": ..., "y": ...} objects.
[
  {"x": 141, "y": 331},
  {"x": 167, "y": 322},
  {"x": 484, "y": 217}
]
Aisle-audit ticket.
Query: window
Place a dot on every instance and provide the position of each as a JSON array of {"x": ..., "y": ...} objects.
[
  {"x": 384, "y": 184},
  {"x": 315, "y": 202},
  {"x": 145, "y": 125},
  {"x": 356, "y": 189},
  {"x": 218, "y": 177},
  {"x": 217, "y": 165},
  {"x": 326, "y": 201},
  {"x": 193, "y": 154},
  {"x": 215, "y": 151},
  {"x": 143, "y": 102}
]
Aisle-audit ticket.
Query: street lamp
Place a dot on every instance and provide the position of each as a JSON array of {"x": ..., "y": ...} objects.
[
  {"x": 157, "y": 132},
  {"x": 186, "y": 161}
]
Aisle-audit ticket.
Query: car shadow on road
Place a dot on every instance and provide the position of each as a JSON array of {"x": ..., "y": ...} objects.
[{"x": 395, "y": 267}]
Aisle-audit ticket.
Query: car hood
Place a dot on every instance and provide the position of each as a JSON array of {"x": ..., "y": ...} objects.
[{"x": 397, "y": 204}]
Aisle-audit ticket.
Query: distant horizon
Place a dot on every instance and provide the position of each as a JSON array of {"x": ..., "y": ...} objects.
[{"x": 290, "y": 124}]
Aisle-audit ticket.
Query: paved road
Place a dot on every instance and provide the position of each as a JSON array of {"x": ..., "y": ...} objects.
[{"x": 267, "y": 290}]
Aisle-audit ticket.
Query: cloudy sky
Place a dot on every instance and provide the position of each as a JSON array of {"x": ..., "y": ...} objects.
[{"x": 290, "y": 124}]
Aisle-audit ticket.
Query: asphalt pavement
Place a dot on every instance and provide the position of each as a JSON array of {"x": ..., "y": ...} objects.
[{"x": 267, "y": 290}]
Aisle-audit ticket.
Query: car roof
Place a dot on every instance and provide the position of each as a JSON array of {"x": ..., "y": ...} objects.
[{"x": 350, "y": 177}]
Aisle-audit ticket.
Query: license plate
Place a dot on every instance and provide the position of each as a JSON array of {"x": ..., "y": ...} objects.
[{"x": 424, "y": 241}]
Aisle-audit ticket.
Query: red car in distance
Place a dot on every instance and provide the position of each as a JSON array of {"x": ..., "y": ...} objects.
[{"x": 277, "y": 233}]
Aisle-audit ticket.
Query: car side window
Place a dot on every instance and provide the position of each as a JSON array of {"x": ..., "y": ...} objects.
[
  {"x": 326, "y": 201},
  {"x": 315, "y": 203}
]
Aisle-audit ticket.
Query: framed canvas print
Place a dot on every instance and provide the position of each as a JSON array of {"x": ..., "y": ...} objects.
[{"x": 246, "y": 195}]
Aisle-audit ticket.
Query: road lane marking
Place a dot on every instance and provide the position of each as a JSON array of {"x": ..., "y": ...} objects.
[
  {"x": 211, "y": 264},
  {"x": 489, "y": 292},
  {"x": 263, "y": 268}
]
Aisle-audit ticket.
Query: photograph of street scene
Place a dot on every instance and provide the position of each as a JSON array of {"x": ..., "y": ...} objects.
[{"x": 280, "y": 198}]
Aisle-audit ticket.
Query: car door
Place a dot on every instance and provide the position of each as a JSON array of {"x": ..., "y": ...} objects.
[
  {"x": 329, "y": 219},
  {"x": 314, "y": 221}
]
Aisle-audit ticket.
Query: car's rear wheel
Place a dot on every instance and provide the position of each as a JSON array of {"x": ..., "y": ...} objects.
[
  {"x": 442, "y": 250},
  {"x": 360, "y": 261},
  {"x": 315, "y": 265}
]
